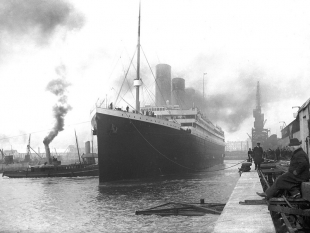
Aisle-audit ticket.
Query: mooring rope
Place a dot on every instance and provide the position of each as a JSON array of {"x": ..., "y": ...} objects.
[{"x": 197, "y": 170}]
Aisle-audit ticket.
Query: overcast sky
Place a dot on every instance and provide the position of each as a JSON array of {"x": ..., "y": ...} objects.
[{"x": 88, "y": 45}]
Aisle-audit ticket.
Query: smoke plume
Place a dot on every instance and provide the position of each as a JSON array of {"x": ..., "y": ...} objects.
[
  {"x": 231, "y": 101},
  {"x": 227, "y": 106},
  {"x": 61, "y": 108},
  {"x": 37, "y": 19}
]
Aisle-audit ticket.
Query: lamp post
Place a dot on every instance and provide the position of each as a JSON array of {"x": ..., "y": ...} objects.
[{"x": 203, "y": 85}]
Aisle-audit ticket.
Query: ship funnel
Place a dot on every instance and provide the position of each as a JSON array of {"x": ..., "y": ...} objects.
[
  {"x": 178, "y": 92},
  {"x": 163, "y": 84},
  {"x": 48, "y": 154}
]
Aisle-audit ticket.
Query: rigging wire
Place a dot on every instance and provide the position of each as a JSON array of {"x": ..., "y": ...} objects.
[
  {"x": 148, "y": 92},
  {"x": 197, "y": 170},
  {"x": 127, "y": 83},
  {"x": 155, "y": 80},
  {"x": 129, "y": 87},
  {"x": 143, "y": 98},
  {"x": 152, "y": 74},
  {"x": 114, "y": 66},
  {"x": 125, "y": 76}
]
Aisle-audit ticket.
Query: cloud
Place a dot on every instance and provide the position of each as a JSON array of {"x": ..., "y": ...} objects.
[{"x": 37, "y": 19}]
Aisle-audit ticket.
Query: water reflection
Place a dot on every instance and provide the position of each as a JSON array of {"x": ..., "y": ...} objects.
[{"x": 80, "y": 205}]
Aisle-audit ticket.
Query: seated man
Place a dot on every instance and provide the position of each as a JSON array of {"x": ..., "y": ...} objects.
[{"x": 298, "y": 172}]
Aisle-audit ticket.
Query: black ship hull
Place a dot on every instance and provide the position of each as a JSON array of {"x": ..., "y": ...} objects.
[{"x": 132, "y": 146}]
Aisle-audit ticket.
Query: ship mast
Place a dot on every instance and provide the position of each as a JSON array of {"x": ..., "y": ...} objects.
[{"x": 137, "y": 81}]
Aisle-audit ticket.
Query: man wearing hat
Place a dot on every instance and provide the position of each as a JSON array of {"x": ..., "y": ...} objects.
[
  {"x": 298, "y": 172},
  {"x": 258, "y": 156}
]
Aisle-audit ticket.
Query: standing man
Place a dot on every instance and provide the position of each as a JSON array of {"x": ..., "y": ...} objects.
[
  {"x": 258, "y": 156},
  {"x": 298, "y": 172},
  {"x": 250, "y": 155}
]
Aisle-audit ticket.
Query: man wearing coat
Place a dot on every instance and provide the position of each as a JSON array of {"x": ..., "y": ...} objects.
[
  {"x": 258, "y": 156},
  {"x": 298, "y": 172}
]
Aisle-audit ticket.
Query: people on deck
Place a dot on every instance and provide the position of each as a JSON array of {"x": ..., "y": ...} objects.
[
  {"x": 258, "y": 155},
  {"x": 298, "y": 172}
]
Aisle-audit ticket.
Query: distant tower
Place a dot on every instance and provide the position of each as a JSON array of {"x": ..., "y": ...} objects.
[
  {"x": 259, "y": 134},
  {"x": 258, "y": 97}
]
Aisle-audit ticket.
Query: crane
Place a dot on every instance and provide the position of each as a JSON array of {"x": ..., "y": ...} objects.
[
  {"x": 264, "y": 122},
  {"x": 77, "y": 146},
  {"x": 28, "y": 148}
]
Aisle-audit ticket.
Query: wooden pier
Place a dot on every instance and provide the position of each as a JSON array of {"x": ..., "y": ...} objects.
[{"x": 245, "y": 218}]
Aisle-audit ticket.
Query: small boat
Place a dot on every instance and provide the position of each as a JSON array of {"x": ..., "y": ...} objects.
[
  {"x": 53, "y": 168},
  {"x": 72, "y": 170}
]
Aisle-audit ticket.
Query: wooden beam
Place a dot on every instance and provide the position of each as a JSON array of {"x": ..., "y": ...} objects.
[
  {"x": 305, "y": 190},
  {"x": 287, "y": 210}
]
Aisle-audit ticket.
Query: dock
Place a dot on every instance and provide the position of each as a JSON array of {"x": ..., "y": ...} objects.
[{"x": 245, "y": 218}]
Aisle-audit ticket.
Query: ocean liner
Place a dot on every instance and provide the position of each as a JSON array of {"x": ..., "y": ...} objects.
[{"x": 155, "y": 140}]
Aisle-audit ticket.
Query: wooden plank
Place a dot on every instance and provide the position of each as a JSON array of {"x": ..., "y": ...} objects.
[
  {"x": 264, "y": 179},
  {"x": 287, "y": 210},
  {"x": 203, "y": 209},
  {"x": 181, "y": 208},
  {"x": 267, "y": 165},
  {"x": 281, "y": 201},
  {"x": 305, "y": 190},
  {"x": 253, "y": 202},
  {"x": 278, "y": 199},
  {"x": 272, "y": 171},
  {"x": 287, "y": 223}
]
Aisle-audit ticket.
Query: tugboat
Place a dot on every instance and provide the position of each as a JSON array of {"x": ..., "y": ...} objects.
[
  {"x": 53, "y": 168},
  {"x": 155, "y": 140}
]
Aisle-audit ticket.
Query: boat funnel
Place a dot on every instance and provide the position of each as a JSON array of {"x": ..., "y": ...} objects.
[
  {"x": 48, "y": 154},
  {"x": 87, "y": 147}
]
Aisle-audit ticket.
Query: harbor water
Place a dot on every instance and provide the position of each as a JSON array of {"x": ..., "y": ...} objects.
[{"x": 82, "y": 205}]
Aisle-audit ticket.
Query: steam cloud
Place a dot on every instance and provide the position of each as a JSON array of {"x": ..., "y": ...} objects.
[
  {"x": 61, "y": 108},
  {"x": 225, "y": 108},
  {"x": 38, "y": 19},
  {"x": 232, "y": 106}
]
